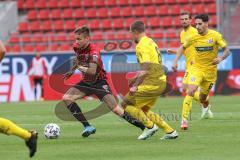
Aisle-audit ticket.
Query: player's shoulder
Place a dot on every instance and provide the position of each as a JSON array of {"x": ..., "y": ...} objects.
[
  {"x": 214, "y": 32},
  {"x": 193, "y": 29},
  {"x": 94, "y": 49}
]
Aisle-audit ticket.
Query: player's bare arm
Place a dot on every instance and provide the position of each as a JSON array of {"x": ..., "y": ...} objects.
[
  {"x": 225, "y": 54},
  {"x": 89, "y": 70},
  {"x": 171, "y": 51},
  {"x": 2, "y": 51},
  {"x": 178, "y": 56},
  {"x": 73, "y": 68}
]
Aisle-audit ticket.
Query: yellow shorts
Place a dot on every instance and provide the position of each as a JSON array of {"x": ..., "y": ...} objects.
[
  {"x": 185, "y": 78},
  {"x": 205, "y": 80},
  {"x": 146, "y": 96}
]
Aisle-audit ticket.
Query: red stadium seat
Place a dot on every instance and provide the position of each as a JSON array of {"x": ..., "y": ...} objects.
[
  {"x": 58, "y": 25},
  {"x": 171, "y": 1},
  {"x": 91, "y": 13},
  {"x": 166, "y": 22},
  {"x": 34, "y": 26},
  {"x": 76, "y": 4},
  {"x": 126, "y": 12},
  {"x": 67, "y": 14},
  {"x": 150, "y": 11},
  {"x": 102, "y": 13},
  {"x": 40, "y": 4},
  {"x": 188, "y": 8},
  {"x": 63, "y": 4},
  {"x": 163, "y": 10},
  {"x": 59, "y": 38},
  {"x": 81, "y": 23},
  {"x": 183, "y": 1},
  {"x": 79, "y": 13},
  {"x": 97, "y": 36},
  {"x": 157, "y": 35},
  {"x": 114, "y": 12},
  {"x": 160, "y": 44},
  {"x": 20, "y": 4},
  {"x": 171, "y": 34},
  {"x": 128, "y": 22},
  {"x": 46, "y": 26},
  {"x": 30, "y": 4},
  {"x": 23, "y": 27},
  {"x": 94, "y": 24},
  {"x": 196, "y": 1},
  {"x": 153, "y": 22},
  {"x": 54, "y": 47},
  {"x": 99, "y": 3},
  {"x": 26, "y": 38},
  {"x": 159, "y": 1},
  {"x": 15, "y": 48},
  {"x": 118, "y": 24},
  {"x": 135, "y": 2},
  {"x": 70, "y": 25},
  {"x": 212, "y": 8},
  {"x": 65, "y": 47},
  {"x": 147, "y": 2},
  {"x": 177, "y": 22},
  {"x": 213, "y": 20},
  {"x": 175, "y": 10},
  {"x": 32, "y": 15},
  {"x": 87, "y": 3},
  {"x": 37, "y": 38},
  {"x": 43, "y": 14},
  {"x": 55, "y": 14},
  {"x": 139, "y": 11},
  {"x": 106, "y": 24},
  {"x": 41, "y": 47},
  {"x": 174, "y": 44},
  {"x": 111, "y": 3},
  {"x": 199, "y": 8},
  {"x": 29, "y": 48},
  {"x": 13, "y": 39},
  {"x": 123, "y": 2},
  {"x": 52, "y": 4}
]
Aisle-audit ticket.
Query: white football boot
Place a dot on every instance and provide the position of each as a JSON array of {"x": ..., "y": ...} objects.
[
  {"x": 148, "y": 132},
  {"x": 172, "y": 135}
]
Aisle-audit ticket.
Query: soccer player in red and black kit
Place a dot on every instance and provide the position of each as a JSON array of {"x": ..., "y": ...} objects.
[{"x": 88, "y": 61}]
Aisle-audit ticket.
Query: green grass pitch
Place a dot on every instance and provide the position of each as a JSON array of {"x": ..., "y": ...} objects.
[{"x": 210, "y": 139}]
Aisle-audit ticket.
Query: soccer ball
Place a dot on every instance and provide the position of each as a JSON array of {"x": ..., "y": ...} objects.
[{"x": 52, "y": 131}]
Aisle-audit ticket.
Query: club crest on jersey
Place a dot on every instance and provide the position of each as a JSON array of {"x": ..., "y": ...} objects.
[
  {"x": 210, "y": 40},
  {"x": 95, "y": 58},
  {"x": 192, "y": 79}
]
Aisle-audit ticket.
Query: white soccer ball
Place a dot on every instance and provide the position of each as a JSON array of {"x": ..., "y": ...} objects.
[{"x": 52, "y": 131}]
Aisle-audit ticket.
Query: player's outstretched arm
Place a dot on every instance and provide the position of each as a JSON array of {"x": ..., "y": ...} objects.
[
  {"x": 171, "y": 51},
  {"x": 225, "y": 54},
  {"x": 70, "y": 73},
  {"x": 178, "y": 56},
  {"x": 2, "y": 51},
  {"x": 92, "y": 69}
]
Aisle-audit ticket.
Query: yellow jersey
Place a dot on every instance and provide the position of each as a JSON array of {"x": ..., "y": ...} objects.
[
  {"x": 205, "y": 49},
  {"x": 184, "y": 35},
  {"x": 147, "y": 51}
]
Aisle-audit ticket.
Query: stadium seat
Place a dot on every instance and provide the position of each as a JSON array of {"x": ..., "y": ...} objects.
[
  {"x": 25, "y": 38},
  {"x": 52, "y": 4},
  {"x": 199, "y": 8},
  {"x": 81, "y": 23},
  {"x": 173, "y": 44},
  {"x": 123, "y": 2},
  {"x": 102, "y": 13},
  {"x": 58, "y": 25},
  {"x": 46, "y": 26},
  {"x": 157, "y": 35},
  {"x": 63, "y": 4},
  {"x": 13, "y": 39},
  {"x": 20, "y": 4},
  {"x": 59, "y": 38},
  {"x": 182, "y": 1},
  {"x": 37, "y": 38},
  {"x": 41, "y": 47},
  {"x": 188, "y": 8},
  {"x": 97, "y": 36},
  {"x": 118, "y": 24},
  {"x": 128, "y": 22},
  {"x": 75, "y": 4},
  {"x": 29, "y": 48},
  {"x": 211, "y": 8},
  {"x": 90, "y": 13},
  {"x": 15, "y": 48},
  {"x": 34, "y": 26},
  {"x": 53, "y": 47},
  {"x": 99, "y": 3},
  {"x": 147, "y": 2},
  {"x": 177, "y": 22},
  {"x": 87, "y": 3},
  {"x": 153, "y": 22},
  {"x": 159, "y": 1},
  {"x": 70, "y": 25},
  {"x": 166, "y": 22},
  {"x": 106, "y": 24},
  {"x": 196, "y": 1},
  {"x": 138, "y": 11},
  {"x": 213, "y": 20},
  {"x": 29, "y": 4},
  {"x": 150, "y": 11},
  {"x": 114, "y": 12},
  {"x": 41, "y": 4},
  {"x": 135, "y": 2},
  {"x": 171, "y": 2},
  {"x": 171, "y": 34},
  {"x": 67, "y": 14},
  {"x": 161, "y": 44},
  {"x": 55, "y": 14},
  {"x": 32, "y": 15},
  {"x": 94, "y": 24},
  {"x": 43, "y": 14},
  {"x": 163, "y": 10},
  {"x": 65, "y": 47},
  {"x": 111, "y": 3},
  {"x": 79, "y": 14},
  {"x": 175, "y": 10},
  {"x": 126, "y": 12}
]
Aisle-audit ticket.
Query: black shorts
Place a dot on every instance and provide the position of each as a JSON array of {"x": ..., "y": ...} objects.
[
  {"x": 100, "y": 88},
  {"x": 38, "y": 81}
]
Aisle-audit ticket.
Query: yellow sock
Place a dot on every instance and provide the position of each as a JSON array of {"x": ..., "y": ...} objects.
[
  {"x": 139, "y": 115},
  {"x": 196, "y": 96},
  {"x": 10, "y": 128},
  {"x": 159, "y": 121},
  {"x": 187, "y": 106}
]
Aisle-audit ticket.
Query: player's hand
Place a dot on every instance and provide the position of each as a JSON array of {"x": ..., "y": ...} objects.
[
  {"x": 175, "y": 66},
  {"x": 131, "y": 81},
  {"x": 67, "y": 75},
  {"x": 171, "y": 51},
  {"x": 133, "y": 90},
  {"x": 217, "y": 60}
]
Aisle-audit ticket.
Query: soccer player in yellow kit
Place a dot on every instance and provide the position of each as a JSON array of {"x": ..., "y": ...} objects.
[
  {"x": 203, "y": 71},
  {"x": 149, "y": 83},
  {"x": 188, "y": 31},
  {"x": 9, "y": 128}
]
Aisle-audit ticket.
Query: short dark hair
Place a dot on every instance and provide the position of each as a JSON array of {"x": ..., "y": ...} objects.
[
  {"x": 186, "y": 13},
  {"x": 203, "y": 17},
  {"x": 83, "y": 30},
  {"x": 138, "y": 26}
]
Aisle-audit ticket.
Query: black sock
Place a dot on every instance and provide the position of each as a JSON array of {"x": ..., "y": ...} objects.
[
  {"x": 133, "y": 121},
  {"x": 77, "y": 113}
]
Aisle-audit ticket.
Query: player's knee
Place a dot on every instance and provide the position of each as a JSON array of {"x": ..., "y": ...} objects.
[
  {"x": 67, "y": 98},
  {"x": 191, "y": 92}
]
